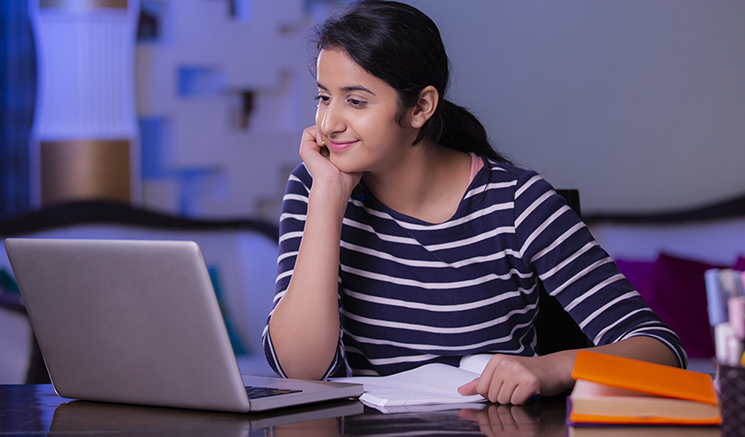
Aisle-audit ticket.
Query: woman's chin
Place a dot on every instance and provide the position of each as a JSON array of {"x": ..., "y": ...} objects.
[{"x": 345, "y": 165}]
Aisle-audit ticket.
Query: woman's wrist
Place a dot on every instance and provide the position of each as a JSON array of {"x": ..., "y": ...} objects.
[
  {"x": 332, "y": 195},
  {"x": 560, "y": 365}
]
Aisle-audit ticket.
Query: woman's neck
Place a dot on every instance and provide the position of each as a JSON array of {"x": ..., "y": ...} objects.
[{"x": 428, "y": 184}]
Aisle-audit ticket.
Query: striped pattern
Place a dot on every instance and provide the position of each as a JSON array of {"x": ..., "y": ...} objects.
[{"x": 412, "y": 293}]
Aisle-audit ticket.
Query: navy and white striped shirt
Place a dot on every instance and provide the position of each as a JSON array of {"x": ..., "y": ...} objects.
[{"x": 412, "y": 293}]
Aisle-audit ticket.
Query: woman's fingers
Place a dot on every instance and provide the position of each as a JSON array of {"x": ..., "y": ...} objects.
[
  {"x": 505, "y": 380},
  {"x": 315, "y": 155},
  {"x": 469, "y": 389}
]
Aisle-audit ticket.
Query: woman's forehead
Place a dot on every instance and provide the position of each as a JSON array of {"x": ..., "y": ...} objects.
[{"x": 336, "y": 69}]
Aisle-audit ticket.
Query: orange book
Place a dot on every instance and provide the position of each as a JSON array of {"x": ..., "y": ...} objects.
[{"x": 616, "y": 390}]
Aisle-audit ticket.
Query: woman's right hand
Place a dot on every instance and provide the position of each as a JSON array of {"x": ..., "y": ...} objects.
[{"x": 316, "y": 158}]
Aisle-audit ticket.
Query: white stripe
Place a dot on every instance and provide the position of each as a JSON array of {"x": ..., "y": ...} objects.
[
  {"x": 602, "y": 309},
  {"x": 385, "y": 342},
  {"x": 384, "y": 237},
  {"x": 491, "y": 186},
  {"x": 582, "y": 273},
  {"x": 298, "y": 217},
  {"x": 294, "y": 178},
  {"x": 437, "y": 329},
  {"x": 616, "y": 323},
  {"x": 434, "y": 285},
  {"x": 430, "y": 264},
  {"x": 527, "y": 185},
  {"x": 293, "y": 196},
  {"x": 277, "y": 297},
  {"x": 533, "y": 206},
  {"x": 401, "y": 359},
  {"x": 648, "y": 326},
  {"x": 445, "y": 225},
  {"x": 643, "y": 325},
  {"x": 579, "y": 299},
  {"x": 285, "y": 255},
  {"x": 474, "y": 239},
  {"x": 438, "y": 308},
  {"x": 289, "y": 235},
  {"x": 558, "y": 241},
  {"x": 542, "y": 227},
  {"x": 474, "y": 215},
  {"x": 568, "y": 260},
  {"x": 284, "y": 275}
]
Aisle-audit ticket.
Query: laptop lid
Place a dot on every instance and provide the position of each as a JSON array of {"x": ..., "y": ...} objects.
[{"x": 138, "y": 322}]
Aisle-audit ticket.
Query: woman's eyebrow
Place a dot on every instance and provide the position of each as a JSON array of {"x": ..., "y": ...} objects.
[
  {"x": 348, "y": 88},
  {"x": 357, "y": 88}
]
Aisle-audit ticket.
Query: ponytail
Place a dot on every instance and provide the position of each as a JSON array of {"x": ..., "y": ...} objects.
[{"x": 454, "y": 127}]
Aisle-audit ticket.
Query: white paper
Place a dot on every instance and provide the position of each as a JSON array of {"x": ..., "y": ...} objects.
[{"x": 431, "y": 384}]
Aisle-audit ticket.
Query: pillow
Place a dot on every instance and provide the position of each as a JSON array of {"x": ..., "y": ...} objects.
[
  {"x": 641, "y": 275},
  {"x": 680, "y": 300},
  {"x": 740, "y": 264}
]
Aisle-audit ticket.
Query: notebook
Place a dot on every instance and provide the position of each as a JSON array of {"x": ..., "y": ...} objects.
[
  {"x": 621, "y": 391},
  {"x": 138, "y": 322}
]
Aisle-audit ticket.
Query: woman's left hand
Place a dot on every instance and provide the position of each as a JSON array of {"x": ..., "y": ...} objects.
[{"x": 509, "y": 379}]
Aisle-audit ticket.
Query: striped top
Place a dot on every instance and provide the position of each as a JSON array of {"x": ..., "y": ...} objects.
[{"x": 412, "y": 293}]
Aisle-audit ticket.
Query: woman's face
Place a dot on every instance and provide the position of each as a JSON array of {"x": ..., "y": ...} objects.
[{"x": 356, "y": 116}]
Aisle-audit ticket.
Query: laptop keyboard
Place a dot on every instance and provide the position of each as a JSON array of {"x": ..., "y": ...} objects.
[{"x": 262, "y": 392}]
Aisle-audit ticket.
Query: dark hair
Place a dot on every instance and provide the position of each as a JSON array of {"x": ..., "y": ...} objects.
[{"x": 400, "y": 45}]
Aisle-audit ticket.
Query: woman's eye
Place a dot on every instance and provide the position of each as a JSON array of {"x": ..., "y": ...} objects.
[
  {"x": 355, "y": 102},
  {"x": 321, "y": 98}
]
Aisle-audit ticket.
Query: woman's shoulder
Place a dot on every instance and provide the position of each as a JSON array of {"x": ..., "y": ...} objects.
[
  {"x": 518, "y": 182},
  {"x": 503, "y": 172}
]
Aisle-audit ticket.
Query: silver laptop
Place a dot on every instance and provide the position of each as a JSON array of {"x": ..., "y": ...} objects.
[{"x": 138, "y": 322}]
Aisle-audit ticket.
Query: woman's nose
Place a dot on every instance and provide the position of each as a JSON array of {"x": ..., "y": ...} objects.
[{"x": 331, "y": 119}]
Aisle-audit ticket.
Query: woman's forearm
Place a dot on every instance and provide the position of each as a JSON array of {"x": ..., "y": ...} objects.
[
  {"x": 640, "y": 348},
  {"x": 305, "y": 324},
  {"x": 514, "y": 379}
]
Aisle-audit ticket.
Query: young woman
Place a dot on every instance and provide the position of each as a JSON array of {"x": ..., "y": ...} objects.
[{"x": 406, "y": 239}]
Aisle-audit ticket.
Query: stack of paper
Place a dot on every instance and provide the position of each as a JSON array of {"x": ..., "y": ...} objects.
[{"x": 429, "y": 387}]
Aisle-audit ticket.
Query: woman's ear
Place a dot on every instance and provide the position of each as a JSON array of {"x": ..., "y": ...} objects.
[{"x": 429, "y": 98}]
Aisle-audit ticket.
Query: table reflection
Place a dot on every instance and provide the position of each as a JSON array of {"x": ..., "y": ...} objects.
[
  {"x": 523, "y": 421},
  {"x": 30, "y": 409},
  {"x": 87, "y": 417},
  {"x": 538, "y": 419}
]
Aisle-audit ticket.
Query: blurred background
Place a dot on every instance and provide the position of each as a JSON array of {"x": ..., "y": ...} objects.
[
  {"x": 181, "y": 119},
  {"x": 195, "y": 107}
]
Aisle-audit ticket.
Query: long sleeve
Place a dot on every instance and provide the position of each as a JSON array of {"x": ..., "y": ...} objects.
[{"x": 556, "y": 245}]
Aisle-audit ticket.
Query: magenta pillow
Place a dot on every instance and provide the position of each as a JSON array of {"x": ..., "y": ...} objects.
[
  {"x": 641, "y": 276},
  {"x": 680, "y": 300},
  {"x": 740, "y": 264}
]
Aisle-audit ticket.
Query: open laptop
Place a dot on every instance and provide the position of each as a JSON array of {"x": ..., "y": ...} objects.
[{"x": 138, "y": 322}]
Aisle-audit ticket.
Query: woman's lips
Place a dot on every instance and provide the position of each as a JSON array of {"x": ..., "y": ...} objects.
[{"x": 339, "y": 146}]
